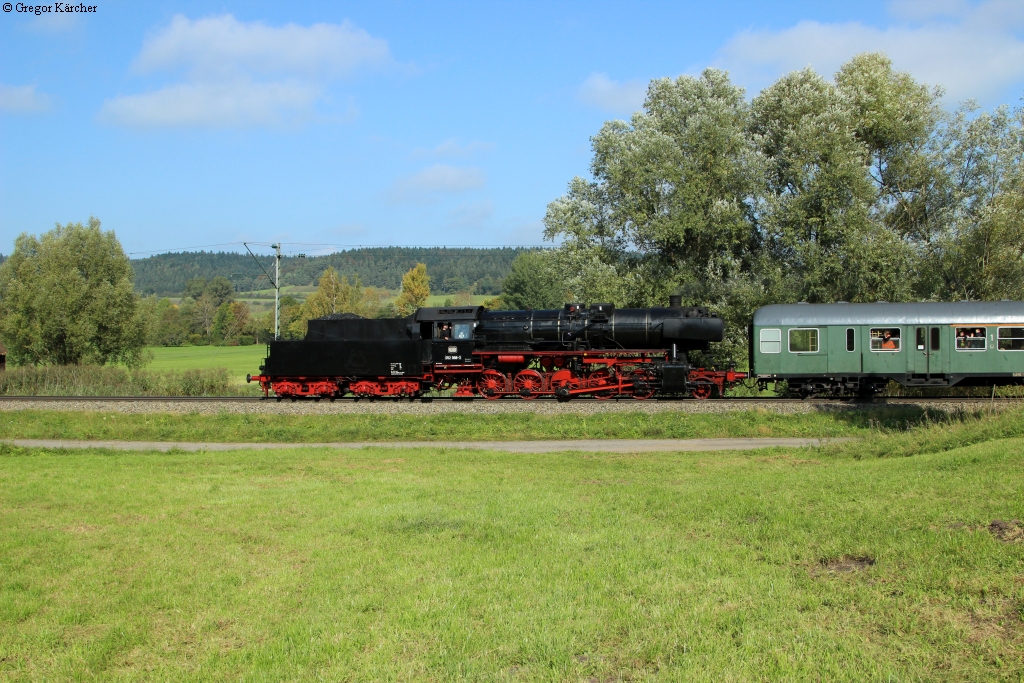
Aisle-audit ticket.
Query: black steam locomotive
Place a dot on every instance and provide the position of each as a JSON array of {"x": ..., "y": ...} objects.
[{"x": 576, "y": 351}]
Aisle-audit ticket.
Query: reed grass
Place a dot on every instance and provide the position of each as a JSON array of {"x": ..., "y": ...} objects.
[{"x": 95, "y": 380}]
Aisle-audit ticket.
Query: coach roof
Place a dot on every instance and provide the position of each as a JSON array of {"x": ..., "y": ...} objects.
[{"x": 926, "y": 313}]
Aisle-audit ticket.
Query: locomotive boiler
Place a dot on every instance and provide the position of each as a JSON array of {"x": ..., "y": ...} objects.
[{"x": 579, "y": 350}]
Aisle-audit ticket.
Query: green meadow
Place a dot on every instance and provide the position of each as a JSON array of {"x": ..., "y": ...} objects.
[
  {"x": 895, "y": 558},
  {"x": 238, "y": 360}
]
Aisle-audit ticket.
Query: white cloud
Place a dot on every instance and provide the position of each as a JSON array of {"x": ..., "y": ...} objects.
[
  {"x": 22, "y": 99},
  {"x": 452, "y": 148},
  {"x": 621, "y": 97},
  {"x": 471, "y": 214},
  {"x": 424, "y": 186},
  {"x": 212, "y": 105},
  {"x": 245, "y": 73},
  {"x": 217, "y": 46},
  {"x": 972, "y": 51}
]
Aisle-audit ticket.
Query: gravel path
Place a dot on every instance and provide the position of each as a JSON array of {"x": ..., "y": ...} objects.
[
  {"x": 589, "y": 445},
  {"x": 481, "y": 407}
]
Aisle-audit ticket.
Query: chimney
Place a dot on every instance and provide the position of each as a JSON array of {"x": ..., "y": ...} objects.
[{"x": 675, "y": 301}]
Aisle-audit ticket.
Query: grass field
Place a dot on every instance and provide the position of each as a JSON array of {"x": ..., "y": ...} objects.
[
  {"x": 435, "y": 564},
  {"x": 239, "y": 360},
  {"x": 262, "y": 427},
  {"x": 439, "y": 299}
]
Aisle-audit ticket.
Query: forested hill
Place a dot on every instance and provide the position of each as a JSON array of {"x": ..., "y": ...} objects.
[{"x": 450, "y": 270}]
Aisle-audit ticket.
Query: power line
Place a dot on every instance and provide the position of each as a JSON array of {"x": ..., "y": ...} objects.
[
  {"x": 201, "y": 246},
  {"x": 353, "y": 246}
]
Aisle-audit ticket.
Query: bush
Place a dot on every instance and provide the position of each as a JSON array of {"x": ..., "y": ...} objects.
[{"x": 95, "y": 380}]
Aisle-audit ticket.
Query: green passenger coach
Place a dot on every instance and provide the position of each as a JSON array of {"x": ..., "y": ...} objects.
[{"x": 846, "y": 348}]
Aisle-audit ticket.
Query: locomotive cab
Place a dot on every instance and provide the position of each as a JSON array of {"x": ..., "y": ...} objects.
[{"x": 448, "y": 334}]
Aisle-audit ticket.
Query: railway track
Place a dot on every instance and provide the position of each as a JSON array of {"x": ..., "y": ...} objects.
[{"x": 879, "y": 400}]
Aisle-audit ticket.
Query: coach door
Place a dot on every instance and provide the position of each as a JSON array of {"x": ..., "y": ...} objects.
[{"x": 926, "y": 357}]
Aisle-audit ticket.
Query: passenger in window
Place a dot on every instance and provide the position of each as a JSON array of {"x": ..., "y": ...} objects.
[{"x": 888, "y": 343}]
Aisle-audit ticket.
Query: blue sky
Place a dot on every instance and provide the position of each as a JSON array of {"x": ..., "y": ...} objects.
[{"x": 334, "y": 124}]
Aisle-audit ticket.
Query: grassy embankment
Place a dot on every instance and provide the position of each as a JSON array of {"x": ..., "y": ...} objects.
[
  {"x": 435, "y": 564},
  {"x": 457, "y": 426}
]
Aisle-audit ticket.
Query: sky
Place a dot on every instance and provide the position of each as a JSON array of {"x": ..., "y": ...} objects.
[{"x": 328, "y": 125}]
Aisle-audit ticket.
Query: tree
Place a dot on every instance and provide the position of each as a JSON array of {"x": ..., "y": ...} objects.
[
  {"x": 415, "y": 290},
  {"x": 67, "y": 298},
  {"x": 204, "y": 313},
  {"x": 333, "y": 295},
  {"x": 232, "y": 318},
  {"x": 195, "y": 287},
  {"x": 668, "y": 208},
  {"x": 974, "y": 207},
  {"x": 219, "y": 289},
  {"x": 831, "y": 182},
  {"x": 533, "y": 283}
]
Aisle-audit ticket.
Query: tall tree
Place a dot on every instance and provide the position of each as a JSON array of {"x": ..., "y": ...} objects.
[
  {"x": 973, "y": 239},
  {"x": 66, "y": 297},
  {"x": 415, "y": 290},
  {"x": 669, "y": 207},
  {"x": 843, "y": 173}
]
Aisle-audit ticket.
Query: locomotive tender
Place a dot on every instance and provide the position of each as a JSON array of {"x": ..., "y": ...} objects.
[{"x": 593, "y": 351}]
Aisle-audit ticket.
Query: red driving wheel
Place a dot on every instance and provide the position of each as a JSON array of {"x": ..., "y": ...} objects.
[
  {"x": 528, "y": 384},
  {"x": 491, "y": 384}
]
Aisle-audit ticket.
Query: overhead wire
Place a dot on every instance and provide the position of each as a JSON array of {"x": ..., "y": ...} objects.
[{"x": 348, "y": 246}]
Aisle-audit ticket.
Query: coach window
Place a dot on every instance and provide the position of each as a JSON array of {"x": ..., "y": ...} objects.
[
  {"x": 885, "y": 339},
  {"x": 851, "y": 339},
  {"x": 1011, "y": 338},
  {"x": 970, "y": 339},
  {"x": 803, "y": 340},
  {"x": 771, "y": 341},
  {"x": 935, "y": 339}
]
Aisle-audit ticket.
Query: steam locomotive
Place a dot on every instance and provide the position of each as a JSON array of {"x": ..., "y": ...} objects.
[{"x": 597, "y": 351}]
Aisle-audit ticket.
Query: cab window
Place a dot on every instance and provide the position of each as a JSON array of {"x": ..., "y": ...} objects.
[
  {"x": 885, "y": 339},
  {"x": 970, "y": 339},
  {"x": 1011, "y": 339},
  {"x": 462, "y": 331},
  {"x": 771, "y": 341},
  {"x": 803, "y": 340}
]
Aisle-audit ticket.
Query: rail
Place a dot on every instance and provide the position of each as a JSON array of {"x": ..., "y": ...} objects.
[{"x": 880, "y": 400}]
